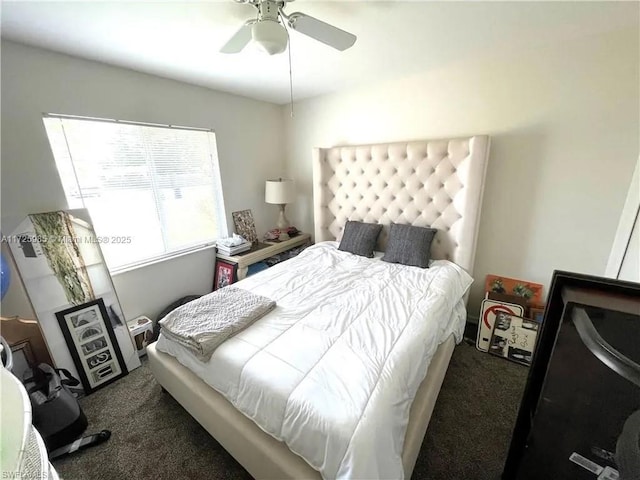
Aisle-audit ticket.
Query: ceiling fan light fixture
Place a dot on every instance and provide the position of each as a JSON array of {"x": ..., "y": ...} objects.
[{"x": 269, "y": 36}]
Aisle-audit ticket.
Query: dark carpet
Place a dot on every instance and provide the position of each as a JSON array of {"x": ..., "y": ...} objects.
[{"x": 154, "y": 438}]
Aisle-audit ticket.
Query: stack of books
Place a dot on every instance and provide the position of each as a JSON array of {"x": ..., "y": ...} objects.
[{"x": 234, "y": 249}]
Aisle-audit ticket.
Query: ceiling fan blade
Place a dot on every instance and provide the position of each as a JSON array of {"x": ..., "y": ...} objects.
[
  {"x": 239, "y": 40},
  {"x": 321, "y": 31}
]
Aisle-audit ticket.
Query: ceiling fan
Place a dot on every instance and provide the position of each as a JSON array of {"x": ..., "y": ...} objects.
[{"x": 268, "y": 31}]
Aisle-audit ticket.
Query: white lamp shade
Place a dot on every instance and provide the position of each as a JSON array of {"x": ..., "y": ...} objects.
[
  {"x": 279, "y": 192},
  {"x": 269, "y": 36}
]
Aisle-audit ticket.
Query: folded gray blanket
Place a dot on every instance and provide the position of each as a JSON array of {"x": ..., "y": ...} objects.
[{"x": 203, "y": 324}]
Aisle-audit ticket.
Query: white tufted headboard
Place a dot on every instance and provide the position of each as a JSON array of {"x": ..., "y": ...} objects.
[{"x": 437, "y": 183}]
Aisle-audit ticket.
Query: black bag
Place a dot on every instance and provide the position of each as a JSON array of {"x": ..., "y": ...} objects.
[{"x": 56, "y": 412}]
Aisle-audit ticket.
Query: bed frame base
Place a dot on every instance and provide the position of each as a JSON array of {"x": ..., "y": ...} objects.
[{"x": 260, "y": 454}]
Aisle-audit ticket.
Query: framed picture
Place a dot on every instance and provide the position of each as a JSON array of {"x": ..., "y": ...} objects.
[
  {"x": 531, "y": 292},
  {"x": 245, "y": 226},
  {"x": 489, "y": 309},
  {"x": 23, "y": 358},
  {"x": 537, "y": 313},
  {"x": 226, "y": 274},
  {"x": 514, "y": 338},
  {"x": 92, "y": 344}
]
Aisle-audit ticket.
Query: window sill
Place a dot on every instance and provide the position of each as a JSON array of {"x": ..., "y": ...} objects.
[{"x": 137, "y": 266}]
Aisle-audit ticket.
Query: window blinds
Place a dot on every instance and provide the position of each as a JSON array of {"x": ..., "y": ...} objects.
[{"x": 152, "y": 190}]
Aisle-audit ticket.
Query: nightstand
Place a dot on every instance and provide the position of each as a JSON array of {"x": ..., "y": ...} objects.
[{"x": 262, "y": 251}]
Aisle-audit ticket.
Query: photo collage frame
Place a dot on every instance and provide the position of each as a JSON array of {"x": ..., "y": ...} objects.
[
  {"x": 92, "y": 344},
  {"x": 514, "y": 338}
]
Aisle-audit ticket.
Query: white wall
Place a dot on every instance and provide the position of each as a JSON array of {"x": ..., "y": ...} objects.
[
  {"x": 624, "y": 260},
  {"x": 563, "y": 120},
  {"x": 564, "y": 126},
  {"x": 35, "y": 81}
]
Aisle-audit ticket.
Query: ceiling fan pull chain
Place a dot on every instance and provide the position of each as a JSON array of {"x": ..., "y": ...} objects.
[{"x": 290, "y": 76}]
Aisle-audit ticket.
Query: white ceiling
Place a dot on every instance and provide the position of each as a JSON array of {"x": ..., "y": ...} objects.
[{"x": 180, "y": 40}]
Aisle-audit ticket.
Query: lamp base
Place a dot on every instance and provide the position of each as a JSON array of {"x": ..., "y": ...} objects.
[{"x": 283, "y": 223}]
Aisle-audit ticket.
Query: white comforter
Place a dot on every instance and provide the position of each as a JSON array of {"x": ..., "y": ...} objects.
[{"x": 333, "y": 370}]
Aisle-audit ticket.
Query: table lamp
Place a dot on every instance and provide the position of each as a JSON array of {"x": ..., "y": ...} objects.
[{"x": 280, "y": 192}]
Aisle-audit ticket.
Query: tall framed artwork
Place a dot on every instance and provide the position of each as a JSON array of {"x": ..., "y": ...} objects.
[
  {"x": 92, "y": 343},
  {"x": 60, "y": 262}
]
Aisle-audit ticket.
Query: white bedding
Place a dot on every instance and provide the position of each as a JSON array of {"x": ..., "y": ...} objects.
[{"x": 333, "y": 370}]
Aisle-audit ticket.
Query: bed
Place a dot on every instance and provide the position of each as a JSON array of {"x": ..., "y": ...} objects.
[{"x": 424, "y": 183}]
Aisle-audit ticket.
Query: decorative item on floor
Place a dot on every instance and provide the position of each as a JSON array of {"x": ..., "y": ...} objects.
[
  {"x": 92, "y": 344},
  {"x": 245, "y": 226},
  {"x": 530, "y": 291},
  {"x": 507, "y": 295},
  {"x": 141, "y": 330},
  {"x": 489, "y": 309},
  {"x": 23, "y": 358},
  {"x": 226, "y": 274},
  {"x": 578, "y": 417},
  {"x": 536, "y": 312},
  {"x": 60, "y": 262},
  {"x": 514, "y": 338},
  {"x": 280, "y": 192},
  {"x": 24, "y": 338}
]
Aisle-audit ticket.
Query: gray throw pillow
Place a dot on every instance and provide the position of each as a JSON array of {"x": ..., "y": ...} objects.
[
  {"x": 360, "y": 238},
  {"x": 409, "y": 245}
]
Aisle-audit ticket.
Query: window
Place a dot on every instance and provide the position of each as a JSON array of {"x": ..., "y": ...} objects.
[{"x": 152, "y": 190}]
